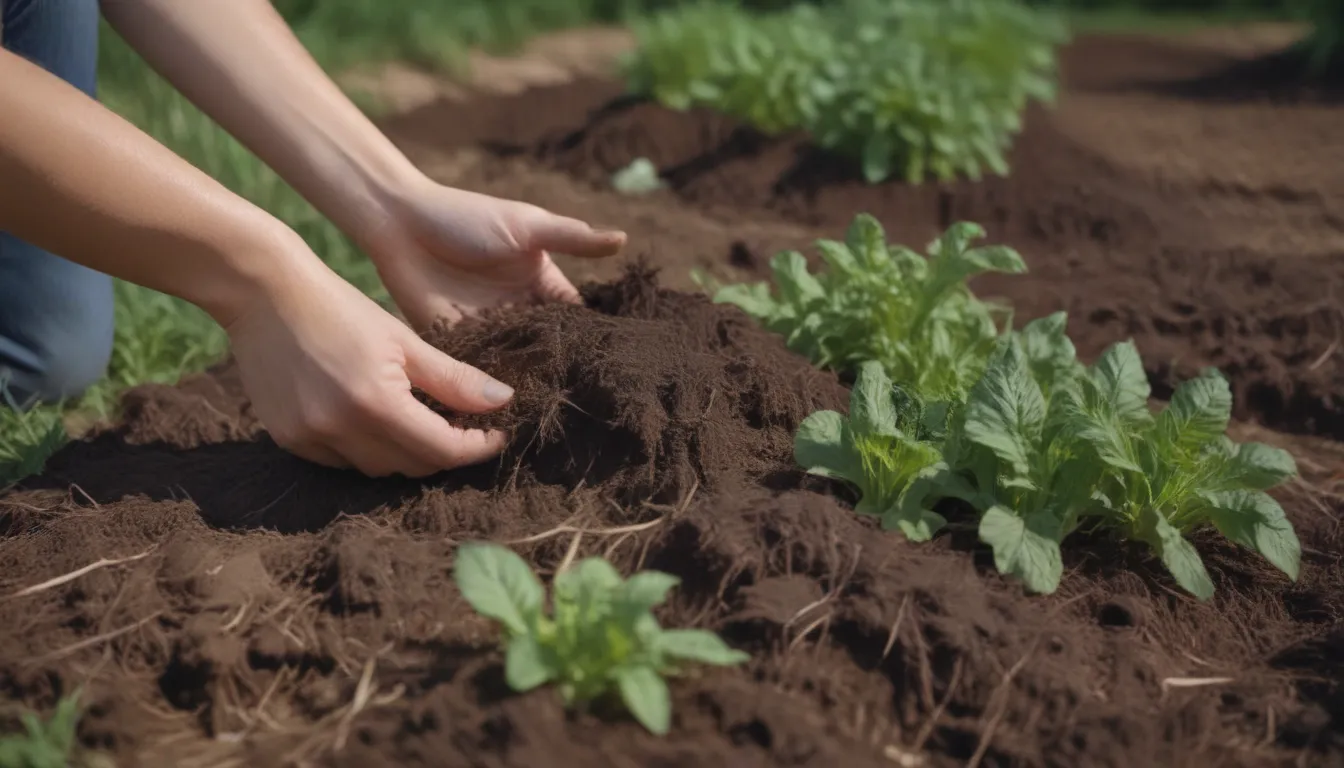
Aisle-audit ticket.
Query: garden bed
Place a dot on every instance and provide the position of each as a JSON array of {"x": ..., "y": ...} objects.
[{"x": 272, "y": 613}]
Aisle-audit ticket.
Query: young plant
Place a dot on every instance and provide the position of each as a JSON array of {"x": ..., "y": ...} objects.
[
  {"x": 1007, "y": 455},
  {"x": 1164, "y": 476},
  {"x": 600, "y": 638},
  {"x": 48, "y": 744},
  {"x": 877, "y": 448},
  {"x": 914, "y": 315}
]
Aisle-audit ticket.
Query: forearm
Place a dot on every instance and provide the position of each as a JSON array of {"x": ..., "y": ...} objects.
[
  {"x": 80, "y": 181},
  {"x": 240, "y": 63}
]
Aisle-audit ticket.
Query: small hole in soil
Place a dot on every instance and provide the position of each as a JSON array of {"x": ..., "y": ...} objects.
[
  {"x": 755, "y": 731},
  {"x": 1115, "y": 615}
]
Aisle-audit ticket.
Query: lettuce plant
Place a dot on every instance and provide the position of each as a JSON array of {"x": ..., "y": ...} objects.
[
  {"x": 1163, "y": 476},
  {"x": 914, "y": 88},
  {"x": 877, "y": 448},
  {"x": 600, "y": 638},
  {"x": 912, "y": 314},
  {"x": 1006, "y": 453},
  {"x": 1043, "y": 446}
]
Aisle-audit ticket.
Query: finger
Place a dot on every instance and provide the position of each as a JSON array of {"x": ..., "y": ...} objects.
[
  {"x": 573, "y": 237},
  {"x": 457, "y": 385},
  {"x": 554, "y": 286},
  {"x": 318, "y": 454},
  {"x": 430, "y": 438},
  {"x": 377, "y": 457}
]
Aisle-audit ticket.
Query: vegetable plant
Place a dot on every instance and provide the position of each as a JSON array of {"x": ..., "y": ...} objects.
[
  {"x": 1006, "y": 453},
  {"x": 600, "y": 637},
  {"x": 878, "y": 447},
  {"x": 1166, "y": 475},
  {"x": 911, "y": 313},
  {"x": 1044, "y": 446},
  {"x": 913, "y": 88}
]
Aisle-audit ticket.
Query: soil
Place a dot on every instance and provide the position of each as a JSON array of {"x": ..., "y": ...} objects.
[{"x": 246, "y": 608}]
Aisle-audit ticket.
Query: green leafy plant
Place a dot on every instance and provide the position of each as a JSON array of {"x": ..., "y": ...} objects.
[
  {"x": 43, "y": 744},
  {"x": 878, "y": 448},
  {"x": 1164, "y": 476},
  {"x": 917, "y": 88},
  {"x": 913, "y": 314},
  {"x": 1044, "y": 446},
  {"x": 600, "y": 638},
  {"x": 1003, "y": 454}
]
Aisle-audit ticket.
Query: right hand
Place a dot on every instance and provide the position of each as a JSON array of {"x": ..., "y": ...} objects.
[{"x": 330, "y": 373}]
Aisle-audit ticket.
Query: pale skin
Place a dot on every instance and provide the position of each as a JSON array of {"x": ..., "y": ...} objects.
[{"x": 330, "y": 373}]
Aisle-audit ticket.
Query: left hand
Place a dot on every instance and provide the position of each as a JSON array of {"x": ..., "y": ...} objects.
[{"x": 444, "y": 253}]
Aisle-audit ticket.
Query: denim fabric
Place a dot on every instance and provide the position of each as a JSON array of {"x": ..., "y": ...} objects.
[{"x": 55, "y": 316}]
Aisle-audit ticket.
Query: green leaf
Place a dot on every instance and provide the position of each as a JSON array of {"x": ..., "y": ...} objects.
[
  {"x": 1122, "y": 383},
  {"x": 796, "y": 285},
  {"x": 646, "y": 696},
  {"x": 1050, "y": 353},
  {"x": 823, "y": 446},
  {"x": 589, "y": 576},
  {"x": 1027, "y": 548},
  {"x": 752, "y": 298},
  {"x": 1255, "y": 520},
  {"x": 1259, "y": 467},
  {"x": 1005, "y": 412},
  {"x": 525, "y": 664},
  {"x": 871, "y": 409},
  {"x": 1178, "y": 555},
  {"x": 1199, "y": 412},
  {"x": 698, "y": 645},
  {"x": 866, "y": 240},
  {"x": 499, "y": 585},
  {"x": 646, "y": 589}
]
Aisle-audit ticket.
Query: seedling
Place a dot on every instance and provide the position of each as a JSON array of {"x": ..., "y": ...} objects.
[
  {"x": 601, "y": 637},
  {"x": 877, "y": 448},
  {"x": 913, "y": 314},
  {"x": 43, "y": 744}
]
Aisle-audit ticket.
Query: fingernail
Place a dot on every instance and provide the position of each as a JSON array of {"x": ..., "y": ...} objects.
[
  {"x": 496, "y": 392},
  {"x": 608, "y": 231}
]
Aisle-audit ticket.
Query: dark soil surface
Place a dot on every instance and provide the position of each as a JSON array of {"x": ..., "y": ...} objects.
[{"x": 239, "y": 607}]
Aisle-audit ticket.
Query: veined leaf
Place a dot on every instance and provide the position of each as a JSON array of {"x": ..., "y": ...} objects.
[
  {"x": 823, "y": 446},
  {"x": 1005, "y": 412},
  {"x": 1199, "y": 412},
  {"x": 1025, "y": 547},
  {"x": 1122, "y": 383},
  {"x": 499, "y": 585},
  {"x": 871, "y": 410},
  {"x": 1256, "y": 521},
  {"x": 1178, "y": 554},
  {"x": 1259, "y": 467}
]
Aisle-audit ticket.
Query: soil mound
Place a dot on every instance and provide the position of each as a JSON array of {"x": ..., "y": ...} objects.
[{"x": 653, "y": 393}]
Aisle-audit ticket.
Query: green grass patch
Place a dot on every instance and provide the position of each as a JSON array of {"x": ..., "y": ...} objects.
[{"x": 49, "y": 743}]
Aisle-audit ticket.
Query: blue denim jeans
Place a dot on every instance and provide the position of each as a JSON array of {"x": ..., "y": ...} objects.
[{"x": 55, "y": 316}]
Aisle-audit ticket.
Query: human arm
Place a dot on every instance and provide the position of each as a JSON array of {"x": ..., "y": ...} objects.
[
  {"x": 329, "y": 372},
  {"x": 441, "y": 252}
]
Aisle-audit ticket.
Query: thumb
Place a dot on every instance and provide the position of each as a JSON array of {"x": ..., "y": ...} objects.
[
  {"x": 561, "y": 234},
  {"x": 457, "y": 385}
]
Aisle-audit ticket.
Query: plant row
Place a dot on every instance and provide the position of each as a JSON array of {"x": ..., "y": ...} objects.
[
  {"x": 950, "y": 403},
  {"x": 909, "y": 88}
]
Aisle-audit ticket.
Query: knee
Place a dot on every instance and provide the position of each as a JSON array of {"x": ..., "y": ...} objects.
[{"x": 59, "y": 364}]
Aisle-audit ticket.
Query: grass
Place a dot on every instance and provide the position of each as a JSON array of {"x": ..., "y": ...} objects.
[{"x": 46, "y": 743}]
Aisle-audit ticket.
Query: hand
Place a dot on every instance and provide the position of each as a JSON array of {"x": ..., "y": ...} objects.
[
  {"x": 330, "y": 376},
  {"x": 445, "y": 253}
]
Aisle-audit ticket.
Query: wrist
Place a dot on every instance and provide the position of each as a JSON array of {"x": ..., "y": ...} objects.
[{"x": 262, "y": 264}]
